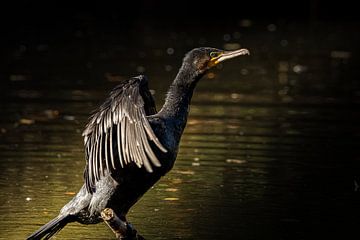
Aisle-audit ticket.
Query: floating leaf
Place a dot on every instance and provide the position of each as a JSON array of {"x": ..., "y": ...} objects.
[
  {"x": 69, "y": 117},
  {"x": 171, "y": 199},
  {"x": 171, "y": 189},
  {"x": 188, "y": 172},
  {"x": 70, "y": 193},
  {"x": 176, "y": 181},
  {"x": 26, "y": 121},
  {"x": 238, "y": 161}
]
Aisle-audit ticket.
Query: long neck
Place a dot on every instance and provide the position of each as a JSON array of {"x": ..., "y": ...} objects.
[{"x": 179, "y": 95}]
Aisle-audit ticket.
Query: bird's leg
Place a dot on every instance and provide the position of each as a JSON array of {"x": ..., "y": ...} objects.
[{"x": 122, "y": 229}]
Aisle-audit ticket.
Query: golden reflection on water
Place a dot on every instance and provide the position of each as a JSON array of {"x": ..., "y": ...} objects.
[
  {"x": 226, "y": 157},
  {"x": 43, "y": 167}
]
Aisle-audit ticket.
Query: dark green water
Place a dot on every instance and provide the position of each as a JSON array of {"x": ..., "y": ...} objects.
[{"x": 270, "y": 150}]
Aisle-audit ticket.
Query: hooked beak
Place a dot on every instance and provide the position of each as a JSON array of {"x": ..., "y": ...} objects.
[
  {"x": 225, "y": 55},
  {"x": 231, "y": 54}
]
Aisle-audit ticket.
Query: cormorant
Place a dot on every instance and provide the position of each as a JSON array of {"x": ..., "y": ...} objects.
[{"x": 129, "y": 146}]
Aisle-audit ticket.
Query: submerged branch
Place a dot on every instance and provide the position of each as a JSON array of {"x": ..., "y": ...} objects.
[{"x": 122, "y": 229}]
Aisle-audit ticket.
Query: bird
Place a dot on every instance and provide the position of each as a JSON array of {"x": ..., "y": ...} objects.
[{"x": 129, "y": 146}]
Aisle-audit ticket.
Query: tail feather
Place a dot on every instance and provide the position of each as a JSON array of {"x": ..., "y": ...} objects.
[{"x": 51, "y": 228}]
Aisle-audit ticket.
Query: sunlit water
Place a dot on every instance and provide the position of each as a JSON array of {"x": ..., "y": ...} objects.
[{"x": 262, "y": 156}]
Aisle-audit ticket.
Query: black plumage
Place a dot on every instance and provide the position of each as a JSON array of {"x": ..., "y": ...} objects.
[{"x": 129, "y": 146}]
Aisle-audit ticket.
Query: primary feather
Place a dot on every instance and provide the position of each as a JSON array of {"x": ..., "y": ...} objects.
[{"x": 122, "y": 118}]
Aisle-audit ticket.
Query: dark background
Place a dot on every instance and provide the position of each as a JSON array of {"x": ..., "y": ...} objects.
[
  {"x": 34, "y": 19},
  {"x": 21, "y": 13},
  {"x": 64, "y": 39}
]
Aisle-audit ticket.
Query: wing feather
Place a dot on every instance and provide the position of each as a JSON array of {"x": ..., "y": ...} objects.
[
  {"x": 119, "y": 148},
  {"x": 107, "y": 143},
  {"x": 119, "y": 133}
]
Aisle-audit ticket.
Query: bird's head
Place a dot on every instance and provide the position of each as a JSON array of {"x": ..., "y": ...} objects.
[{"x": 204, "y": 58}]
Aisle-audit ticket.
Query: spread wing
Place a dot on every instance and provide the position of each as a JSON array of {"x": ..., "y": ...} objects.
[{"x": 119, "y": 132}]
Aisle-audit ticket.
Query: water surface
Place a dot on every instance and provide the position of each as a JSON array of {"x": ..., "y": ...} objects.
[{"x": 270, "y": 150}]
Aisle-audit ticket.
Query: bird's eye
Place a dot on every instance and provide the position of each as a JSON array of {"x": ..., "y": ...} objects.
[{"x": 214, "y": 54}]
